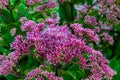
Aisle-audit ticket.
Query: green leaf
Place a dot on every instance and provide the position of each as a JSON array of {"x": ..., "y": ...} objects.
[
  {"x": 21, "y": 11},
  {"x": 67, "y": 65},
  {"x": 114, "y": 64},
  {"x": 117, "y": 27},
  {"x": 11, "y": 77},
  {"x": 117, "y": 50},
  {"x": 2, "y": 77},
  {"x": 72, "y": 69},
  {"x": 117, "y": 76},
  {"x": 4, "y": 51},
  {"x": 77, "y": 72},
  {"x": 67, "y": 12},
  {"x": 89, "y": 2},
  {"x": 108, "y": 52},
  {"x": 75, "y": 59},
  {"x": 2, "y": 20},
  {"x": 2, "y": 43},
  {"x": 75, "y": 1},
  {"x": 67, "y": 75},
  {"x": 6, "y": 15},
  {"x": 27, "y": 62},
  {"x": 7, "y": 38},
  {"x": 62, "y": 13},
  {"x": 43, "y": 1}
]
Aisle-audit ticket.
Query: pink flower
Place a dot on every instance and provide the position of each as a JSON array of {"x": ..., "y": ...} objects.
[
  {"x": 37, "y": 74},
  {"x": 14, "y": 56},
  {"x": 90, "y": 20},
  {"x": 28, "y": 25},
  {"x": 6, "y": 67},
  {"x": 82, "y": 8},
  {"x": 62, "y": 1},
  {"x": 3, "y": 4},
  {"x": 50, "y": 21},
  {"x": 16, "y": 45},
  {"x": 2, "y": 58},
  {"x": 80, "y": 31},
  {"x": 110, "y": 1},
  {"x": 30, "y": 2},
  {"x": 107, "y": 38},
  {"x": 82, "y": 61}
]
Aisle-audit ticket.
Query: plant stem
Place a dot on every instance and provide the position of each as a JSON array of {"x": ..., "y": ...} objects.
[
  {"x": 90, "y": 9},
  {"x": 17, "y": 74},
  {"x": 56, "y": 71}
]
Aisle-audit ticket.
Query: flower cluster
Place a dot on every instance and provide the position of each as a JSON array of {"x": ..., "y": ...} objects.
[
  {"x": 90, "y": 20},
  {"x": 6, "y": 67},
  {"x": 109, "y": 9},
  {"x": 31, "y": 2},
  {"x": 83, "y": 9},
  {"x": 59, "y": 44},
  {"x": 80, "y": 31},
  {"x": 105, "y": 26},
  {"x": 2, "y": 57},
  {"x": 3, "y": 3},
  {"x": 98, "y": 68},
  {"x": 107, "y": 38},
  {"x": 62, "y": 1},
  {"x": 37, "y": 74},
  {"x": 47, "y": 5},
  {"x": 56, "y": 44}
]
